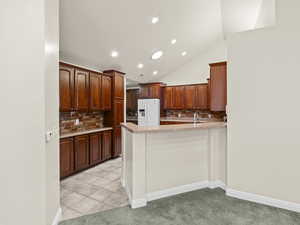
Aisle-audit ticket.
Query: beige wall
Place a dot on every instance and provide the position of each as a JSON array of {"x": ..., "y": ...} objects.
[
  {"x": 263, "y": 121},
  {"x": 52, "y": 108},
  {"x": 22, "y": 165},
  {"x": 27, "y": 185},
  {"x": 197, "y": 70},
  {"x": 267, "y": 14}
]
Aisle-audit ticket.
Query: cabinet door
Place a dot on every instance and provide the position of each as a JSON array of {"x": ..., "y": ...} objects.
[
  {"x": 106, "y": 145},
  {"x": 218, "y": 87},
  {"x": 208, "y": 93},
  {"x": 178, "y": 99},
  {"x": 189, "y": 97},
  {"x": 119, "y": 86},
  {"x": 81, "y": 90},
  {"x": 144, "y": 92},
  {"x": 154, "y": 91},
  {"x": 66, "y": 88},
  {"x": 201, "y": 96},
  {"x": 82, "y": 152},
  {"x": 66, "y": 150},
  {"x": 168, "y": 98},
  {"x": 117, "y": 142},
  {"x": 95, "y": 148},
  {"x": 106, "y": 93},
  {"x": 95, "y": 91},
  {"x": 131, "y": 100},
  {"x": 119, "y": 111}
]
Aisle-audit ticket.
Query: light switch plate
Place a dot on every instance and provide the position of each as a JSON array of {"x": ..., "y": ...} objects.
[{"x": 49, "y": 136}]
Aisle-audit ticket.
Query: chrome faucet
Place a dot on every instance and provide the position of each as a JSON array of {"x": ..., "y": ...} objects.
[{"x": 195, "y": 116}]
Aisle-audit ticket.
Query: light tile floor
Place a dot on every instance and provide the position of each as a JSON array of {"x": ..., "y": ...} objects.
[{"x": 94, "y": 190}]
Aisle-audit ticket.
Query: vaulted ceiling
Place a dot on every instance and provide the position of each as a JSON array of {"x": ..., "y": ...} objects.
[{"x": 91, "y": 29}]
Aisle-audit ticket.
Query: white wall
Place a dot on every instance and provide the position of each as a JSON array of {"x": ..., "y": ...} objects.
[
  {"x": 263, "y": 108},
  {"x": 267, "y": 14},
  {"x": 23, "y": 113},
  {"x": 197, "y": 70}
]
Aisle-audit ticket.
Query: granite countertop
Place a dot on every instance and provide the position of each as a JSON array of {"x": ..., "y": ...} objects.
[
  {"x": 131, "y": 118},
  {"x": 182, "y": 119},
  {"x": 84, "y": 132},
  {"x": 188, "y": 119},
  {"x": 178, "y": 127}
]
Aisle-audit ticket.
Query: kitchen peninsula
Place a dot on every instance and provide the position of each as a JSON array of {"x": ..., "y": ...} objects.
[{"x": 166, "y": 160}]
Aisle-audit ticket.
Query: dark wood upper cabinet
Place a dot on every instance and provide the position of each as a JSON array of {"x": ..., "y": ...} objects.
[
  {"x": 144, "y": 92},
  {"x": 178, "y": 99},
  {"x": 151, "y": 90},
  {"x": 155, "y": 91},
  {"x": 208, "y": 93},
  {"x": 174, "y": 97},
  {"x": 95, "y": 148},
  {"x": 218, "y": 86},
  {"x": 190, "y": 97},
  {"x": 66, "y": 88},
  {"x": 106, "y": 93},
  {"x": 201, "y": 98},
  {"x": 119, "y": 86},
  {"x": 107, "y": 145},
  {"x": 95, "y": 88},
  {"x": 168, "y": 98},
  {"x": 81, "y": 90},
  {"x": 132, "y": 99},
  {"x": 67, "y": 166},
  {"x": 82, "y": 156}
]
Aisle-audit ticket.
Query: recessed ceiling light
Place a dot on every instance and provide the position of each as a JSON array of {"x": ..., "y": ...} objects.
[
  {"x": 155, "y": 72},
  {"x": 183, "y": 53},
  {"x": 173, "y": 41},
  {"x": 140, "y": 66},
  {"x": 157, "y": 55},
  {"x": 114, "y": 54},
  {"x": 155, "y": 20}
]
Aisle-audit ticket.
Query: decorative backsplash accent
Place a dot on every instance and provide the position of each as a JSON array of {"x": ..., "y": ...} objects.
[
  {"x": 87, "y": 121},
  {"x": 190, "y": 114}
]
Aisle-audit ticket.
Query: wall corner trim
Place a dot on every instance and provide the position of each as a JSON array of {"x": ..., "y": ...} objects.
[
  {"x": 217, "y": 184},
  {"x": 138, "y": 203},
  {"x": 263, "y": 200},
  {"x": 57, "y": 217}
]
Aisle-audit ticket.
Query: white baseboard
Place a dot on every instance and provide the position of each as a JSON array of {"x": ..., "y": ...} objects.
[
  {"x": 263, "y": 200},
  {"x": 138, "y": 203},
  {"x": 57, "y": 217},
  {"x": 217, "y": 184},
  {"x": 135, "y": 203},
  {"x": 177, "y": 190}
]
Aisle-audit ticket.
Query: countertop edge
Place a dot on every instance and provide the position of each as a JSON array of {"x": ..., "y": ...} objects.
[
  {"x": 178, "y": 127},
  {"x": 164, "y": 119},
  {"x": 84, "y": 132}
]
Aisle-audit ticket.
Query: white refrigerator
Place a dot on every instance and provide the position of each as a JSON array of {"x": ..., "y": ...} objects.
[{"x": 148, "y": 112}]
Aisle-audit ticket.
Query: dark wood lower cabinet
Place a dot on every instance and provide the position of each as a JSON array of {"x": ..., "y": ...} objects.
[
  {"x": 117, "y": 142},
  {"x": 67, "y": 166},
  {"x": 82, "y": 156},
  {"x": 81, "y": 152},
  {"x": 95, "y": 148},
  {"x": 107, "y": 145}
]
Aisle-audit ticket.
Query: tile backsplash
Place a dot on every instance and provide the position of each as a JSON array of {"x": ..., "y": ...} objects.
[
  {"x": 87, "y": 121},
  {"x": 190, "y": 113}
]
